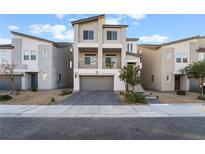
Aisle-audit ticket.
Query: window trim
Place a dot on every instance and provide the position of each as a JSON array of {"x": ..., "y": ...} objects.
[
  {"x": 178, "y": 56},
  {"x": 91, "y": 62},
  {"x": 111, "y": 35},
  {"x": 89, "y": 36},
  {"x": 26, "y": 55},
  {"x": 33, "y": 55}
]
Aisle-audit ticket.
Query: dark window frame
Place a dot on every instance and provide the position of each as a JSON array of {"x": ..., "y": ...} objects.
[
  {"x": 88, "y": 35},
  {"x": 112, "y": 35}
]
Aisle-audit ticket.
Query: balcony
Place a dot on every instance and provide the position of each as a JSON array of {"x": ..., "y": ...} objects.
[
  {"x": 111, "y": 65},
  {"x": 84, "y": 64}
]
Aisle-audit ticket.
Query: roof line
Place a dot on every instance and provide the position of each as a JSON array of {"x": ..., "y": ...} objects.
[
  {"x": 114, "y": 26},
  {"x": 38, "y": 38},
  {"x": 87, "y": 19}
]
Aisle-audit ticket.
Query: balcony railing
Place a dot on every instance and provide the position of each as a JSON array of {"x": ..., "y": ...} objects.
[
  {"x": 83, "y": 64},
  {"x": 112, "y": 65}
]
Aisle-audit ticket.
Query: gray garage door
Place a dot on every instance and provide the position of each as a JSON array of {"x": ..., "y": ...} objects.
[
  {"x": 6, "y": 84},
  {"x": 96, "y": 83}
]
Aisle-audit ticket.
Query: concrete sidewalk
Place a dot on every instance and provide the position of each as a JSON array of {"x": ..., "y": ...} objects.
[{"x": 154, "y": 110}]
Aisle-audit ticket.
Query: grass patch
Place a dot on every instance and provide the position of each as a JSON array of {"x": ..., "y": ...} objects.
[
  {"x": 5, "y": 97},
  {"x": 181, "y": 92},
  {"x": 65, "y": 92},
  {"x": 201, "y": 97},
  {"x": 135, "y": 98}
]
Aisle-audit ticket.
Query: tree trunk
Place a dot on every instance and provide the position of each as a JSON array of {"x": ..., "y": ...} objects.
[
  {"x": 13, "y": 85},
  {"x": 202, "y": 86}
]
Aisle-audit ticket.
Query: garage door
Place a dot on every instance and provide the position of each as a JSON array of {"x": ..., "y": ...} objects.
[
  {"x": 96, "y": 83},
  {"x": 6, "y": 84}
]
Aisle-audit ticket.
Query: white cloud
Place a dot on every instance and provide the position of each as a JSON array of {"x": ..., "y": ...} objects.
[
  {"x": 153, "y": 39},
  {"x": 5, "y": 41},
  {"x": 59, "y": 32},
  {"x": 60, "y": 16},
  {"x": 137, "y": 16},
  {"x": 13, "y": 27}
]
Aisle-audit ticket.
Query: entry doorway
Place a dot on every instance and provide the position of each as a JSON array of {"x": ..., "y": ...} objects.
[
  {"x": 34, "y": 80},
  {"x": 177, "y": 82}
]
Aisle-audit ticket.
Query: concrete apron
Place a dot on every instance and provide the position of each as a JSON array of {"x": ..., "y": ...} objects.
[{"x": 107, "y": 111}]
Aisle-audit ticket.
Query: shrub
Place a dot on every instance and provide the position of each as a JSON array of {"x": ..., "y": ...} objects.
[
  {"x": 135, "y": 98},
  {"x": 34, "y": 89},
  {"x": 5, "y": 97},
  {"x": 65, "y": 92},
  {"x": 181, "y": 92},
  {"x": 201, "y": 97},
  {"x": 53, "y": 99}
]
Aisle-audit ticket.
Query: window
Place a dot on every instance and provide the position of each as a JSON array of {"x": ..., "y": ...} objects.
[
  {"x": 168, "y": 78},
  {"x": 152, "y": 78},
  {"x": 33, "y": 54},
  {"x": 131, "y": 47},
  {"x": 110, "y": 61},
  {"x": 111, "y": 35},
  {"x": 178, "y": 57},
  {"x": 90, "y": 59},
  {"x": 185, "y": 58},
  {"x": 2, "y": 56},
  {"x": 88, "y": 35},
  {"x": 26, "y": 54},
  {"x": 128, "y": 47},
  {"x": 71, "y": 65},
  {"x": 44, "y": 53}
]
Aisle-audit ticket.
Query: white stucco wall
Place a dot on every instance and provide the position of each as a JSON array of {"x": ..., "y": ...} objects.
[{"x": 6, "y": 53}]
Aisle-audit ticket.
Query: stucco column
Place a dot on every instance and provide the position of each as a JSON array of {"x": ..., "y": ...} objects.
[
  {"x": 100, "y": 43},
  {"x": 75, "y": 46},
  {"x": 123, "y": 50}
]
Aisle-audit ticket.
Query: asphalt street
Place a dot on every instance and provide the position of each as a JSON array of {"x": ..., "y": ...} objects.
[{"x": 167, "y": 128}]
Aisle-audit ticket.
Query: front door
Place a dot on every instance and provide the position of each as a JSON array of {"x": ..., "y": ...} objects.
[
  {"x": 34, "y": 80},
  {"x": 177, "y": 82}
]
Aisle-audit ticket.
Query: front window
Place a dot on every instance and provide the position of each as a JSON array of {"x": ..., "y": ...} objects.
[
  {"x": 110, "y": 61},
  {"x": 26, "y": 54},
  {"x": 33, "y": 54},
  {"x": 88, "y": 35},
  {"x": 2, "y": 56},
  {"x": 90, "y": 59},
  {"x": 178, "y": 57},
  {"x": 111, "y": 35},
  {"x": 185, "y": 58}
]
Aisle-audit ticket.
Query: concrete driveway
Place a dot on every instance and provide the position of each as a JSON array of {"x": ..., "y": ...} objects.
[{"x": 93, "y": 98}]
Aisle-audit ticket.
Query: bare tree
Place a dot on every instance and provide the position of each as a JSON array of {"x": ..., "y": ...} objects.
[{"x": 8, "y": 71}]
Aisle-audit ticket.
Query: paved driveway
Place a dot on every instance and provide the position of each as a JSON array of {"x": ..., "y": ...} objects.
[{"x": 93, "y": 98}]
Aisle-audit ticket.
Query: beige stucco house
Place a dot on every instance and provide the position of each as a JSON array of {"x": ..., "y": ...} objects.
[
  {"x": 100, "y": 50},
  {"x": 162, "y": 64},
  {"x": 43, "y": 64}
]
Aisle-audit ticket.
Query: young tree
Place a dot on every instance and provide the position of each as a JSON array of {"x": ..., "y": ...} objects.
[
  {"x": 8, "y": 70},
  {"x": 130, "y": 75},
  {"x": 197, "y": 71}
]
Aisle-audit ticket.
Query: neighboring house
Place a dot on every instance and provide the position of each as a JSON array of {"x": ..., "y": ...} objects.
[
  {"x": 5, "y": 56},
  {"x": 100, "y": 50},
  {"x": 162, "y": 64},
  {"x": 44, "y": 64}
]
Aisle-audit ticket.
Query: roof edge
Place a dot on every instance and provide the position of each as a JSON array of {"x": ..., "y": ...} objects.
[{"x": 87, "y": 19}]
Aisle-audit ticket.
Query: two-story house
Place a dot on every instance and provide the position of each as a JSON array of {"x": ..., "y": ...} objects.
[
  {"x": 100, "y": 50},
  {"x": 44, "y": 64},
  {"x": 162, "y": 64}
]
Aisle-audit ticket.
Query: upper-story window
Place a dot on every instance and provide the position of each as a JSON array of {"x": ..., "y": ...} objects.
[
  {"x": 131, "y": 47},
  {"x": 128, "y": 47},
  {"x": 90, "y": 59},
  {"x": 178, "y": 57},
  {"x": 185, "y": 57},
  {"x": 2, "y": 56},
  {"x": 110, "y": 60},
  {"x": 111, "y": 35},
  {"x": 88, "y": 35},
  {"x": 33, "y": 54},
  {"x": 26, "y": 55}
]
